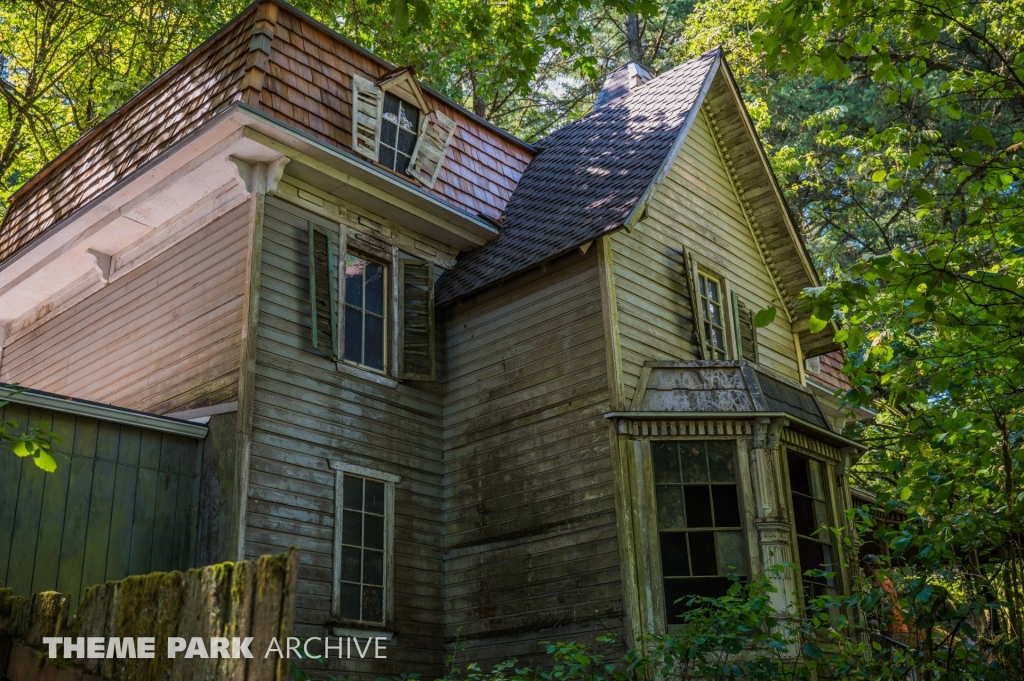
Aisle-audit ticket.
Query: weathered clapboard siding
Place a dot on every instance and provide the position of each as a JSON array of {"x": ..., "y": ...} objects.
[
  {"x": 309, "y": 412},
  {"x": 163, "y": 338},
  {"x": 123, "y": 501},
  {"x": 695, "y": 206},
  {"x": 530, "y": 535}
]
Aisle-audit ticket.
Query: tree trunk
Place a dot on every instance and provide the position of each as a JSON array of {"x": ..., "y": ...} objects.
[{"x": 633, "y": 45}]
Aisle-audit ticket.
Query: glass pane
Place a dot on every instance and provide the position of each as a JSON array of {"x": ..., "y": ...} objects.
[
  {"x": 727, "y": 506},
  {"x": 387, "y": 156},
  {"x": 353, "y": 334},
  {"x": 402, "y": 164},
  {"x": 406, "y": 142},
  {"x": 351, "y": 564},
  {"x": 702, "y": 284},
  {"x": 373, "y": 352},
  {"x": 352, "y": 488},
  {"x": 713, "y": 291},
  {"x": 670, "y": 507},
  {"x": 410, "y": 118},
  {"x": 693, "y": 461},
  {"x": 698, "y": 506},
  {"x": 683, "y": 590},
  {"x": 821, "y": 516},
  {"x": 798, "y": 481},
  {"x": 732, "y": 554},
  {"x": 352, "y": 528},
  {"x": 702, "y": 553},
  {"x": 666, "y": 461},
  {"x": 374, "y": 288},
  {"x": 803, "y": 515},
  {"x": 373, "y": 567},
  {"x": 388, "y": 132},
  {"x": 354, "y": 280},
  {"x": 349, "y": 601},
  {"x": 812, "y": 558},
  {"x": 716, "y": 315},
  {"x": 717, "y": 338},
  {"x": 391, "y": 106},
  {"x": 817, "y": 489},
  {"x": 721, "y": 461},
  {"x": 375, "y": 497},
  {"x": 373, "y": 604},
  {"x": 674, "y": 562},
  {"x": 374, "y": 529}
]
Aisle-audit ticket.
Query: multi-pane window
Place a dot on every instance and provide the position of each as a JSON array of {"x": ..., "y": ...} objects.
[
  {"x": 810, "y": 516},
  {"x": 362, "y": 549},
  {"x": 400, "y": 124},
  {"x": 699, "y": 526},
  {"x": 714, "y": 316},
  {"x": 365, "y": 339}
]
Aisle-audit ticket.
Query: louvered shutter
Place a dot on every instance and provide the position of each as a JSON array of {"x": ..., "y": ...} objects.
[
  {"x": 431, "y": 147},
  {"x": 743, "y": 318},
  {"x": 416, "y": 335},
  {"x": 323, "y": 285},
  {"x": 690, "y": 277},
  {"x": 367, "y": 103}
]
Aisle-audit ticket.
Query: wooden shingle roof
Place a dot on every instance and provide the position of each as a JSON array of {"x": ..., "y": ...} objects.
[
  {"x": 588, "y": 178},
  {"x": 281, "y": 62}
]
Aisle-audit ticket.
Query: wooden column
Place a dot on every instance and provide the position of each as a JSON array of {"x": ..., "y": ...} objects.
[{"x": 774, "y": 531}]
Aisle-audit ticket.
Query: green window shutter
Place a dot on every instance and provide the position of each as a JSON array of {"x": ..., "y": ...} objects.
[
  {"x": 416, "y": 313},
  {"x": 746, "y": 332},
  {"x": 690, "y": 279},
  {"x": 323, "y": 287}
]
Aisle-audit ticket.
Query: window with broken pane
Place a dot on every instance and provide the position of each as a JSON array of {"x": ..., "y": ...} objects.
[
  {"x": 714, "y": 316},
  {"x": 811, "y": 519},
  {"x": 399, "y": 126},
  {"x": 362, "y": 549},
  {"x": 699, "y": 519}
]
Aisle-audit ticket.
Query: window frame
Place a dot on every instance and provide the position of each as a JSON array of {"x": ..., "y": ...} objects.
[
  {"x": 390, "y": 480},
  {"x": 421, "y": 118},
  {"x": 709, "y": 347},
  {"x": 828, "y": 474},
  {"x": 698, "y": 266},
  {"x": 388, "y": 304},
  {"x": 646, "y": 499}
]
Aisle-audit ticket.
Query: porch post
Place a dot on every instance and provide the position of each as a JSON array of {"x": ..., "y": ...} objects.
[{"x": 773, "y": 527}]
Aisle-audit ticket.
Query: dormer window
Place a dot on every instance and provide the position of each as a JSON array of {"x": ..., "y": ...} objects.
[
  {"x": 392, "y": 125},
  {"x": 400, "y": 124}
]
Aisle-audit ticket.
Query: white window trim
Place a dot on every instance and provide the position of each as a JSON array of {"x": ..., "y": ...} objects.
[
  {"x": 647, "y": 511},
  {"x": 390, "y": 296},
  {"x": 390, "y": 480}
]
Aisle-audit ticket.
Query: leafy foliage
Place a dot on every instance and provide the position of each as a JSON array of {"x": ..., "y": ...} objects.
[{"x": 35, "y": 443}]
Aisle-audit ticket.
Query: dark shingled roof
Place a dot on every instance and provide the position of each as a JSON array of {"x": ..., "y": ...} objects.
[{"x": 587, "y": 180}]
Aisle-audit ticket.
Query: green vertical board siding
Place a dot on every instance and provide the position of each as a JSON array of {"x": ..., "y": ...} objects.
[
  {"x": 10, "y": 478},
  {"x": 121, "y": 517},
  {"x": 76, "y": 527},
  {"x": 51, "y": 527},
  {"x": 121, "y": 502},
  {"x": 26, "y": 528},
  {"x": 97, "y": 536}
]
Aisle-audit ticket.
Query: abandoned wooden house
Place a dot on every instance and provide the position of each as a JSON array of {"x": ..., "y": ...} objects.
[{"x": 289, "y": 295}]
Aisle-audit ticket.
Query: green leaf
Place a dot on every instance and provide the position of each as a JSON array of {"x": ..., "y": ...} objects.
[
  {"x": 815, "y": 325},
  {"x": 841, "y": 336},
  {"x": 765, "y": 317},
  {"x": 45, "y": 461},
  {"x": 878, "y": 175},
  {"x": 24, "y": 448},
  {"x": 983, "y": 135}
]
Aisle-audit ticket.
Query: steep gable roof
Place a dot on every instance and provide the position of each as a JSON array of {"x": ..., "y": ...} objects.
[
  {"x": 588, "y": 178},
  {"x": 281, "y": 62}
]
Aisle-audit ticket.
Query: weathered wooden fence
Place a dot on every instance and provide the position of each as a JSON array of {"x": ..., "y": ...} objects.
[
  {"x": 251, "y": 598},
  {"x": 123, "y": 500}
]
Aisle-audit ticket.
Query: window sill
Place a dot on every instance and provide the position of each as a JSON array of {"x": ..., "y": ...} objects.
[
  {"x": 362, "y": 633},
  {"x": 366, "y": 374}
]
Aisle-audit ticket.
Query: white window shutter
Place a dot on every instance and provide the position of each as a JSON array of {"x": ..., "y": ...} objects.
[
  {"x": 367, "y": 105},
  {"x": 431, "y": 147}
]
